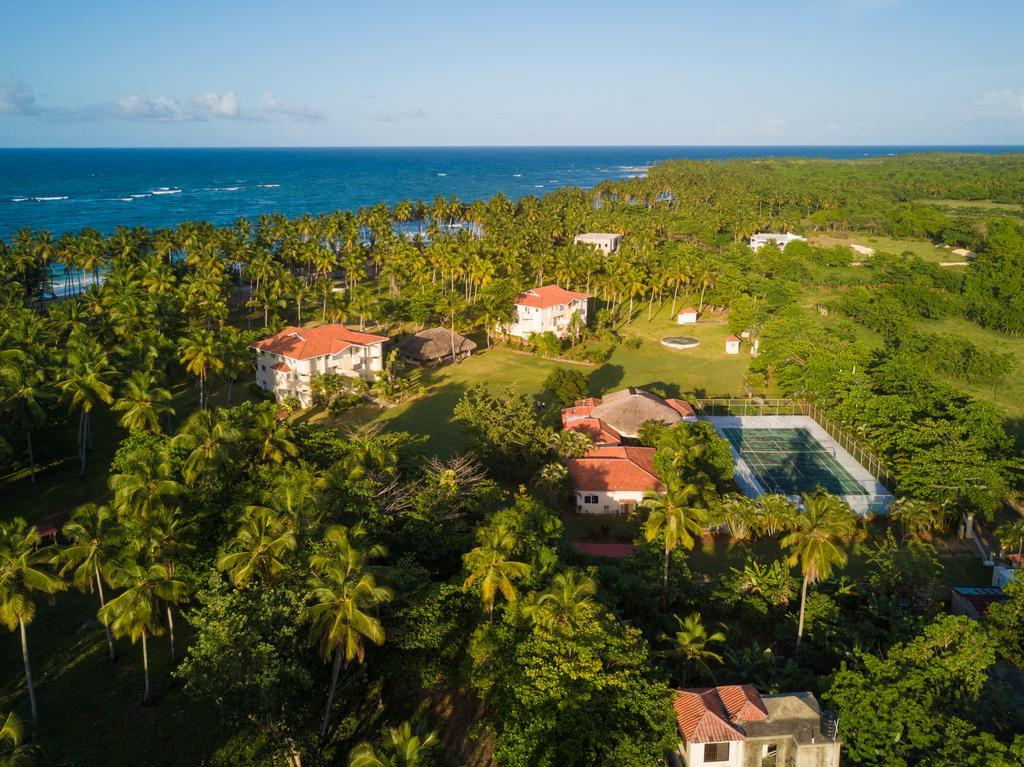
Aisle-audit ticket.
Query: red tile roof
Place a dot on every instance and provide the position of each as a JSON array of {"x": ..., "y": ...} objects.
[
  {"x": 616, "y": 468},
  {"x": 283, "y": 367},
  {"x": 582, "y": 409},
  {"x": 306, "y": 343},
  {"x": 731, "y": 338},
  {"x": 715, "y": 714},
  {"x": 596, "y": 429},
  {"x": 547, "y": 296},
  {"x": 681, "y": 406},
  {"x": 688, "y": 310}
]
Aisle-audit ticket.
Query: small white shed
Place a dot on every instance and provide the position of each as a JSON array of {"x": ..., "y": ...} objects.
[
  {"x": 732, "y": 345},
  {"x": 687, "y": 316}
]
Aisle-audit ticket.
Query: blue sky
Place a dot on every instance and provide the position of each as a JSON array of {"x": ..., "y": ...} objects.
[{"x": 372, "y": 73}]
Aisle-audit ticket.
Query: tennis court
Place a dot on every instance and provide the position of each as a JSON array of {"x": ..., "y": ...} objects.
[{"x": 791, "y": 461}]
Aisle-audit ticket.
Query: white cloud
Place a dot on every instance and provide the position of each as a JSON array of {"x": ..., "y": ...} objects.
[
  {"x": 218, "y": 104},
  {"x": 1004, "y": 101},
  {"x": 272, "y": 105},
  {"x": 18, "y": 99},
  {"x": 413, "y": 113},
  {"x": 139, "y": 107}
]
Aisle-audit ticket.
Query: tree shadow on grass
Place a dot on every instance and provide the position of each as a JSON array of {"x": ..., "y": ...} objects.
[
  {"x": 605, "y": 378},
  {"x": 433, "y": 415}
]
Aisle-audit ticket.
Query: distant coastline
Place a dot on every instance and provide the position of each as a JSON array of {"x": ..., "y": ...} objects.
[{"x": 68, "y": 189}]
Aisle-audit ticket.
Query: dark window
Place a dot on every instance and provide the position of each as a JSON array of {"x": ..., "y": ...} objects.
[
  {"x": 769, "y": 755},
  {"x": 716, "y": 752}
]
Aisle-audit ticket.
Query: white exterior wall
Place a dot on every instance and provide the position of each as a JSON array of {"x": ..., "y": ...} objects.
[
  {"x": 687, "y": 318},
  {"x": 608, "y": 501},
  {"x": 693, "y": 755},
  {"x": 354, "y": 362},
  {"x": 732, "y": 347},
  {"x": 529, "y": 320},
  {"x": 607, "y": 244}
]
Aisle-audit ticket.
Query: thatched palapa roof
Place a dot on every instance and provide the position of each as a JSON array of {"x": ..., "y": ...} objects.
[
  {"x": 434, "y": 344},
  {"x": 626, "y": 410}
]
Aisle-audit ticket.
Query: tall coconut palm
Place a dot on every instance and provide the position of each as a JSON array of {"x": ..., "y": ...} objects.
[
  {"x": 210, "y": 442},
  {"x": 94, "y": 542},
  {"x": 142, "y": 403},
  {"x": 274, "y": 438},
  {"x": 260, "y": 548},
  {"x": 489, "y": 564},
  {"x": 84, "y": 380},
  {"x": 144, "y": 488},
  {"x": 692, "y": 642},
  {"x": 565, "y": 599},
  {"x": 345, "y": 597},
  {"x": 200, "y": 354},
  {"x": 814, "y": 542},
  {"x": 23, "y": 574},
  {"x": 402, "y": 746},
  {"x": 676, "y": 518},
  {"x": 135, "y": 612},
  {"x": 22, "y": 394}
]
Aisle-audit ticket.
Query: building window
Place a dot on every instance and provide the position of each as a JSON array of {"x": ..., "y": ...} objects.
[
  {"x": 716, "y": 752},
  {"x": 769, "y": 755},
  {"x": 590, "y": 499}
]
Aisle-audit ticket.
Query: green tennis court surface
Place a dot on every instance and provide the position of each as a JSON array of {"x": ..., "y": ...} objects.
[{"x": 791, "y": 461}]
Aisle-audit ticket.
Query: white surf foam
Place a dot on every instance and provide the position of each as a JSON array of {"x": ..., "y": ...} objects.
[
  {"x": 166, "y": 190},
  {"x": 19, "y": 199},
  {"x": 49, "y": 199},
  {"x": 268, "y": 186}
]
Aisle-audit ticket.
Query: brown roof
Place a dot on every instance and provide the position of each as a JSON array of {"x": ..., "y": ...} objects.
[
  {"x": 681, "y": 406},
  {"x": 688, "y": 310},
  {"x": 715, "y": 714},
  {"x": 306, "y": 343},
  {"x": 596, "y": 429},
  {"x": 283, "y": 367},
  {"x": 627, "y": 410},
  {"x": 731, "y": 338},
  {"x": 547, "y": 296},
  {"x": 616, "y": 468},
  {"x": 434, "y": 344}
]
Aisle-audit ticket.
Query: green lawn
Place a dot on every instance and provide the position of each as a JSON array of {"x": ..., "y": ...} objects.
[
  {"x": 982, "y": 206},
  {"x": 923, "y": 248},
  {"x": 1007, "y": 394},
  {"x": 703, "y": 371}
]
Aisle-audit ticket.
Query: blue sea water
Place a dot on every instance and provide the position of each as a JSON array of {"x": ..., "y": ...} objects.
[{"x": 67, "y": 189}]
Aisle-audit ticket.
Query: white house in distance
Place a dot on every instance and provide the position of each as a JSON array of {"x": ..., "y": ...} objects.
[
  {"x": 735, "y": 726},
  {"x": 606, "y": 242},
  {"x": 759, "y": 240},
  {"x": 687, "y": 316},
  {"x": 732, "y": 345},
  {"x": 548, "y": 308},
  {"x": 613, "y": 479},
  {"x": 286, "y": 362}
]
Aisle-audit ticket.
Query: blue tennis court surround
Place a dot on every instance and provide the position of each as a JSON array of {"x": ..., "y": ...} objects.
[{"x": 791, "y": 461}]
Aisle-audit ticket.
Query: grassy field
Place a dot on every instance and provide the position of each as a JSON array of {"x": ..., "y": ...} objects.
[
  {"x": 1007, "y": 394},
  {"x": 982, "y": 206},
  {"x": 923, "y": 248}
]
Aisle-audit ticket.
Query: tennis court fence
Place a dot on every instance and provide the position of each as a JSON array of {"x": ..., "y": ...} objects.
[{"x": 760, "y": 407}]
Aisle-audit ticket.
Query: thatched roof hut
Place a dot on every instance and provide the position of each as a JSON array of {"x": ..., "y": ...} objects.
[
  {"x": 626, "y": 410},
  {"x": 434, "y": 345}
]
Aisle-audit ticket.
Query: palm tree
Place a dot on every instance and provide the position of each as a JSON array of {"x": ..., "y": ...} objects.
[
  {"x": 135, "y": 612},
  {"x": 674, "y": 516},
  {"x": 489, "y": 564},
  {"x": 691, "y": 641},
  {"x": 22, "y": 392},
  {"x": 563, "y": 600},
  {"x": 814, "y": 542},
  {"x": 200, "y": 356},
  {"x": 85, "y": 379},
  {"x": 773, "y": 514},
  {"x": 738, "y": 514},
  {"x": 94, "y": 542},
  {"x": 13, "y": 752},
  {"x": 402, "y": 746},
  {"x": 145, "y": 488},
  {"x": 22, "y": 574},
  {"x": 260, "y": 547},
  {"x": 211, "y": 444},
  {"x": 274, "y": 437},
  {"x": 142, "y": 403},
  {"x": 1012, "y": 534},
  {"x": 344, "y": 597}
]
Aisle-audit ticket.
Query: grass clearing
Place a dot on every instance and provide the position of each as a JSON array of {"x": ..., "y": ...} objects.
[
  {"x": 981, "y": 206},
  {"x": 925, "y": 249}
]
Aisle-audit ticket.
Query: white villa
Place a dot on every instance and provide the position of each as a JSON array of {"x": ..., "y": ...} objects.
[
  {"x": 759, "y": 240},
  {"x": 606, "y": 242},
  {"x": 735, "y": 726},
  {"x": 613, "y": 479},
  {"x": 548, "y": 308},
  {"x": 732, "y": 345},
  {"x": 286, "y": 362}
]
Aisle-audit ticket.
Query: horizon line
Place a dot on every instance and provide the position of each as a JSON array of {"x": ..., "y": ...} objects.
[{"x": 527, "y": 146}]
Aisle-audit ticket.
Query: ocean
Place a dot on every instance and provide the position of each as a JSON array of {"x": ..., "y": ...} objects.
[{"x": 68, "y": 189}]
